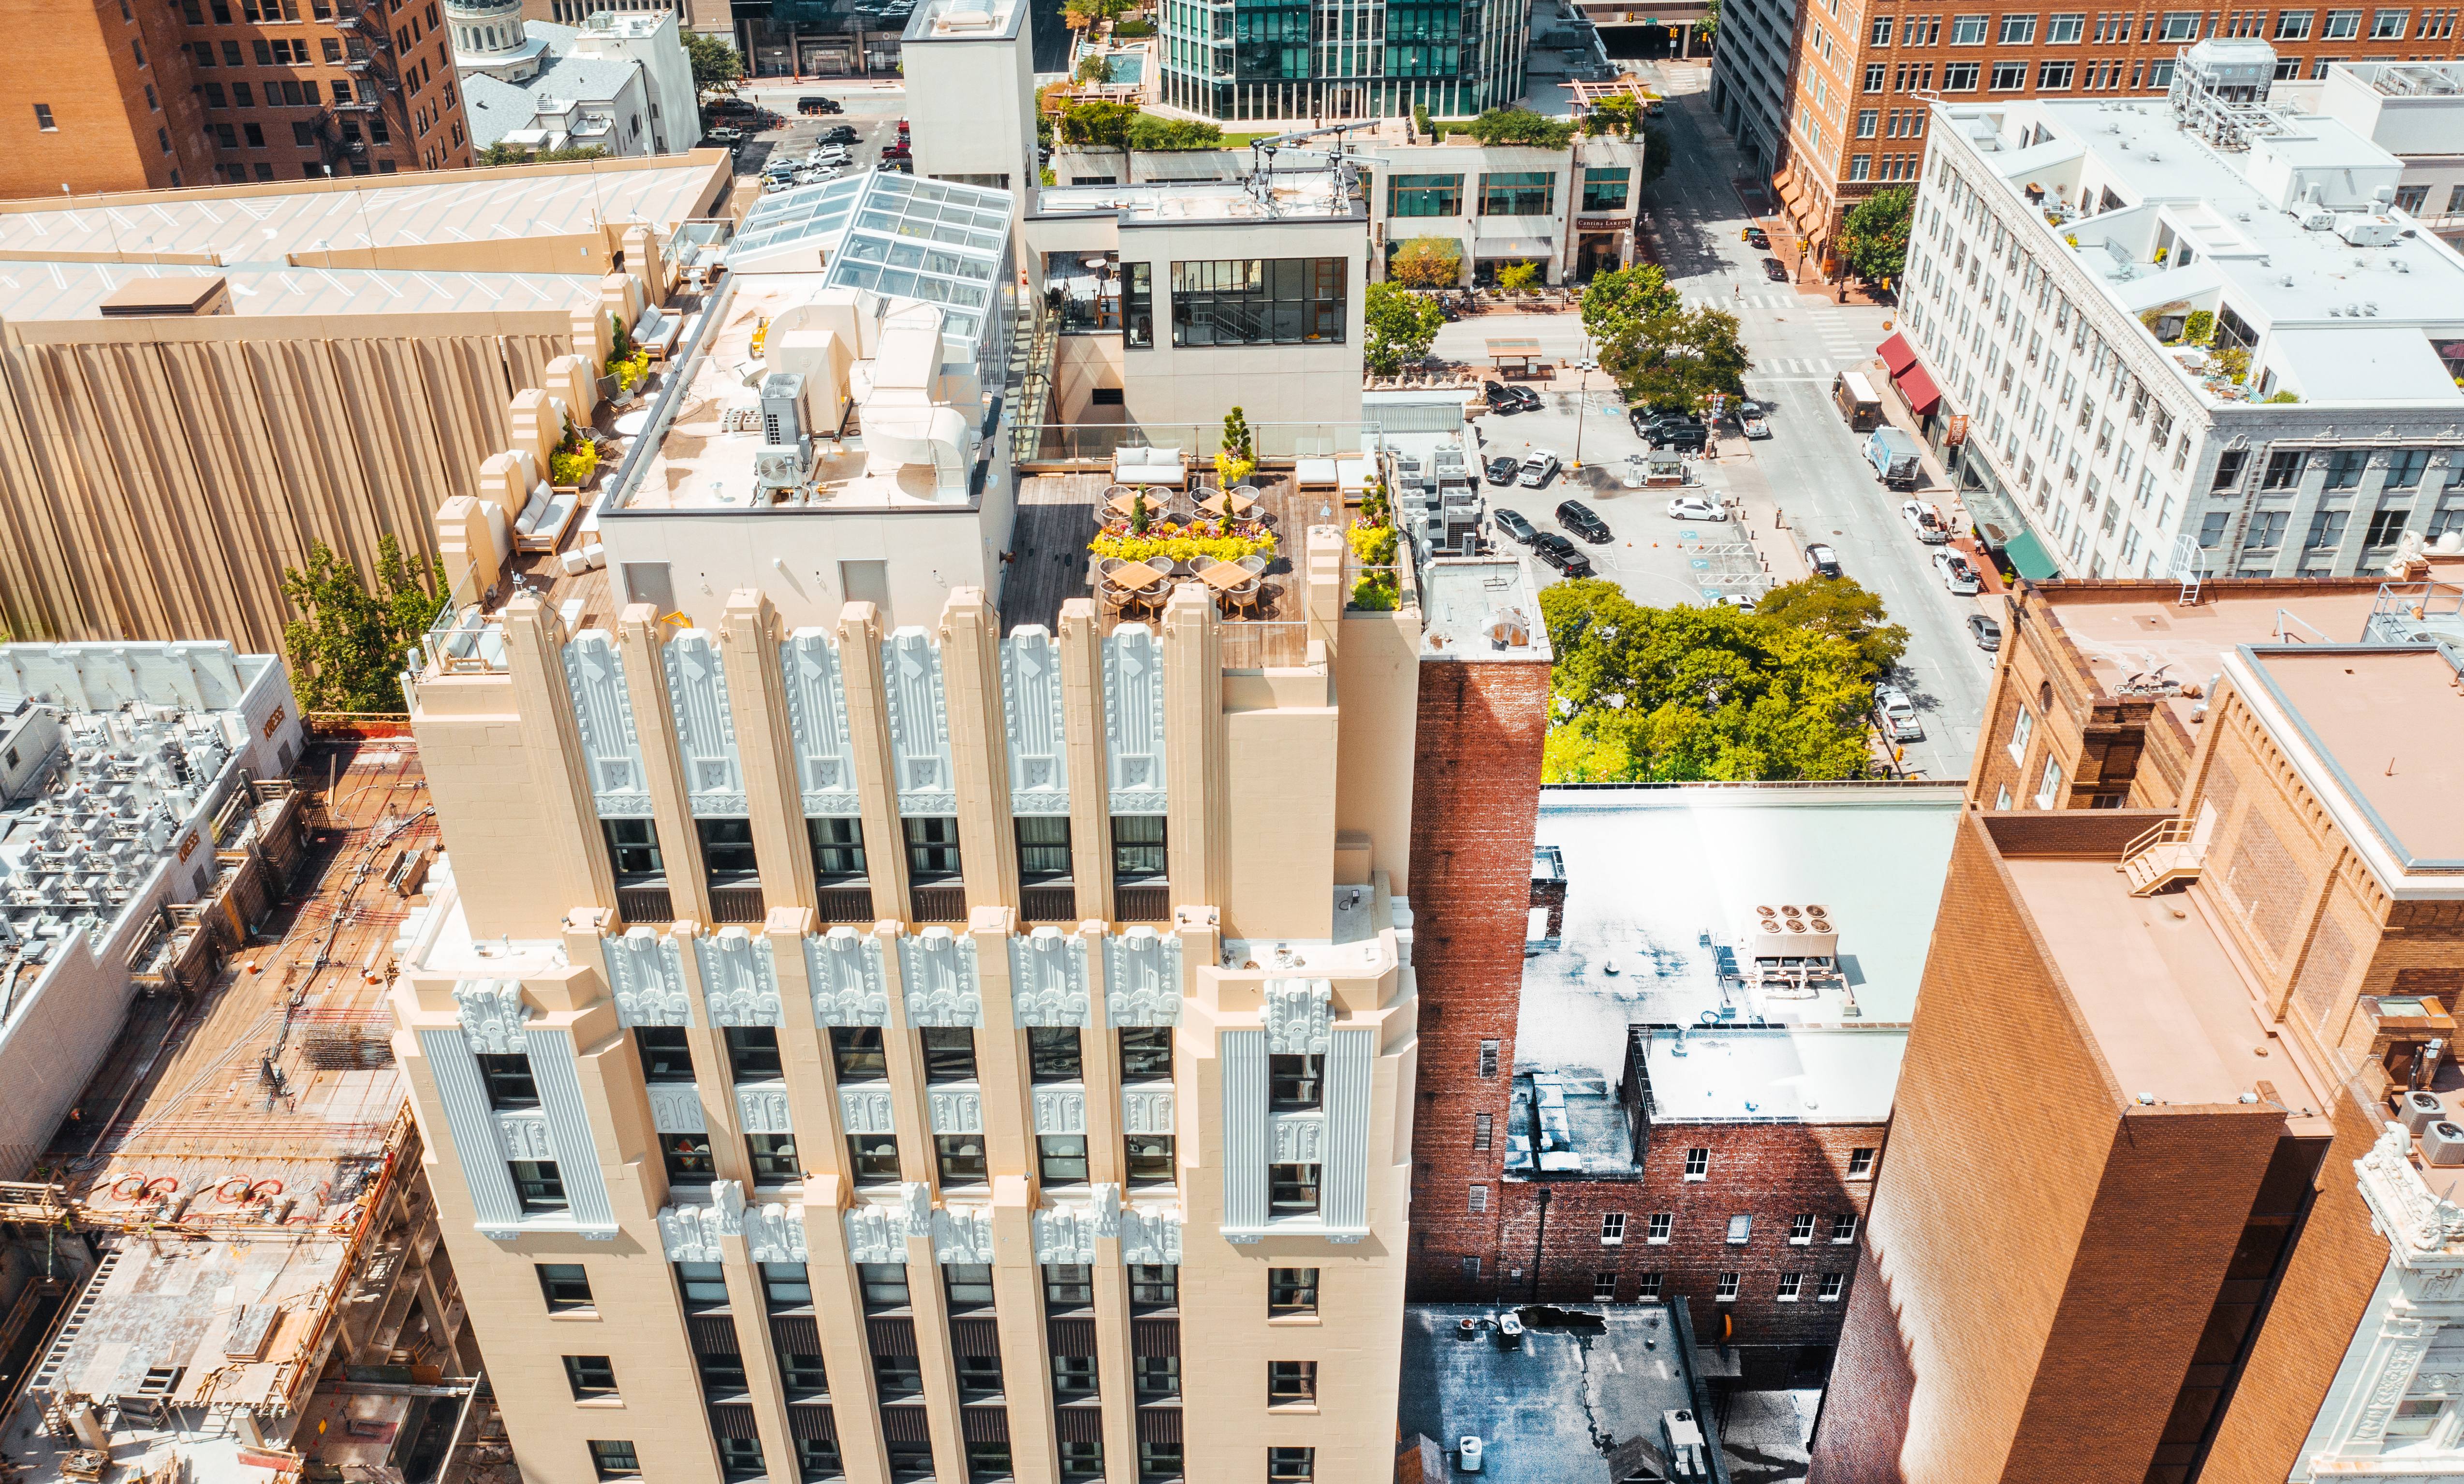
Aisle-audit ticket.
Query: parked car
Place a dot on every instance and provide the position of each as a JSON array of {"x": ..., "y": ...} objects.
[
  {"x": 730, "y": 137},
  {"x": 1539, "y": 466},
  {"x": 1561, "y": 553},
  {"x": 839, "y": 134},
  {"x": 1504, "y": 399},
  {"x": 1758, "y": 239},
  {"x": 1925, "y": 521},
  {"x": 1578, "y": 517},
  {"x": 1956, "y": 573},
  {"x": 1686, "y": 436},
  {"x": 829, "y": 154},
  {"x": 1775, "y": 269},
  {"x": 1745, "y": 600},
  {"x": 1824, "y": 561},
  {"x": 1987, "y": 633},
  {"x": 1510, "y": 522},
  {"x": 1693, "y": 507},
  {"x": 1897, "y": 715},
  {"x": 1753, "y": 420},
  {"x": 732, "y": 105},
  {"x": 1501, "y": 469},
  {"x": 1645, "y": 421}
]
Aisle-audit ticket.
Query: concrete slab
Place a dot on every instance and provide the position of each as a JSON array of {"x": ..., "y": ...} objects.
[{"x": 1551, "y": 1411}]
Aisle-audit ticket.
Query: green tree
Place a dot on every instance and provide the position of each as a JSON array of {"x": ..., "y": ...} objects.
[
  {"x": 1839, "y": 607},
  {"x": 1687, "y": 694},
  {"x": 347, "y": 645},
  {"x": 502, "y": 153},
  {"x": 1621, "y": 114},
  {"x": 1401, "y": 325},
  {"x": 717, "y": 67},
  {"x": 1874, "y": 240},
  {"x": 1521, "y": 126},
  {"x": 1105, "y": 125},
  {"x": 1659, "y": 151},
  {"x": 1427, "y": 263},
  {"x": 1420, "y": 124},
  {"x": 1676, "y": 360},
  {"x": 1147, "y": 131},
  {"x": 1707, "y": 27},
  {"x": 1517, "y": 276},
  {"x": 1626, "y": 296},
  {"x": 1091, "y": 68}
]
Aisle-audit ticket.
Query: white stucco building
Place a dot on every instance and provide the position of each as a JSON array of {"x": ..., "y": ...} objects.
[
  {"x": 970, "y": 67},
  {"x": 2060, "y": 246},
  {"x": 620, "y": 80}
]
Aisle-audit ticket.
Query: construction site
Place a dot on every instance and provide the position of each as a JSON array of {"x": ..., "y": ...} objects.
[{"x": 226, "y": 1266}]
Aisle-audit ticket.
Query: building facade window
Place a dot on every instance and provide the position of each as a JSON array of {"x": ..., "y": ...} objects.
[
  {"x": 1605, "y": 187},
  {"x": 1656, "y": 1229},
  {"x": 1424, "y": 195},
  {"x": 1698, "y": 1164},
  {"x": 1860, "y": 1164},
  {"x": 1518, "y": 193},
  {"x": 1727, "y": 1292},
  {"x": 1291, "y": 1292},
  {"x": 1612, "y": 1227},
  {"x": 1259, "y": 302}
]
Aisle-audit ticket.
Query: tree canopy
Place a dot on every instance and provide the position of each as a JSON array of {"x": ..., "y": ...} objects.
[
  {"x": 1675, "y": 358},
  {"x": 1101, "y": 125},
  {"x": 1839, "y": 607},
  {"x": 1625, "y": 296},
  {"x": 347, "y": 645},
  {"x": 1707, "y": 25},
  {"x": 717, "y": 65},
  {"x": 1401, "y": 325},
  {"x": 1521, "y": 126},
  {"x": 1619, "y": 114},
  {"x": 1427, "y": 263},
  {"x": 502, "y": 153},
  {"x": 1874, "y": 239},
  {"x": 1686, "y": 695}
]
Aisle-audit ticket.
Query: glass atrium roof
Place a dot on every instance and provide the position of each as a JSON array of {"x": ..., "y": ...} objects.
[{"x": 896, "y": 234}]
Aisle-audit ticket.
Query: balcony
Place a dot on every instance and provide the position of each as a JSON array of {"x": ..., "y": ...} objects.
[
  {"x": 1142, "y": 902},
  {"x": 937, "y": 902}
]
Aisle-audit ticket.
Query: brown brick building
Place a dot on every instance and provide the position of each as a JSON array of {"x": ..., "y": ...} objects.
[
  {"x": 137, "y": 95},
  {"x": 1863, "y": 74},
  {"x": 2133, "y": 1098},
  {"x": 2099, "y": 698},
  {"x": 1475, "y": 794}
]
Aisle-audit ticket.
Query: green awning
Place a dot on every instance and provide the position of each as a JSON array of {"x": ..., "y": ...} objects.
[{"x": 2028, "y": 555}]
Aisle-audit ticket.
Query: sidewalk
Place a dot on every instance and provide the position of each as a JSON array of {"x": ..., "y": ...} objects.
[{"x": 1737, "y": 477}]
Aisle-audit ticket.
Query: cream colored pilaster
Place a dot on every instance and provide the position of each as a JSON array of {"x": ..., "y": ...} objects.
[
  {"x": 933, "y": 1357},
  {"x": 846, "y": 1347},
  {"x": 804, "y": 1048},
  {"x": 1325, "y": 560},
  {"x": 758, "y": 696},
  {"x": 1027, "y": 1370},
  {"x": 971, "y": 684},
  {"x": 1113, "y": 1375},
  {"x": 751, "y": 1311},
  {"x": 876, "y": 780},
  {"x": 642, "y": 639},
  {"x": 1000, "y": 1052},
  {"x": 552, "y": 744},
  {"x": 1107, "y": 1161},
  {"x": 1081, "y": 643},
  {"x": 1196, "y": 754},
  {"x": 910, "y": 1114}
]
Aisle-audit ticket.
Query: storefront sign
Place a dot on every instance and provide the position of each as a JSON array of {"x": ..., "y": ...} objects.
[
  {"x": 1599, "y": 223},
  {"x": 1958, "y": 433}
]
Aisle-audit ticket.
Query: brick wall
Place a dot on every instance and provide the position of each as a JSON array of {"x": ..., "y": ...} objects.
[
  {"x": 1769, "y": 1171},
  {"x": 74, "y": 60},
  {"x": 1475, "y": 802},
  {"x": 2046, "y": 1262}
]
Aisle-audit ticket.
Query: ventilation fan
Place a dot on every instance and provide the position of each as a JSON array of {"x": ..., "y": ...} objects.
[
  {"x": 2443, "y": 1144},
  {"x": 1821, "y": 925},
  {"x": 1764, "y": 912},
  {"x": 2416, "y": 1110}
]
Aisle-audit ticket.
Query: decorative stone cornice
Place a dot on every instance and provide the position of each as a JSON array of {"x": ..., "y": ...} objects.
[
  {"x": 844, "y": 967},
  {"x": 739, "y": 982},
  {"x": 1142, "y": 983},
  {"x": 646, "y": 975},
  {"x": 2423, "y": 1229},
  {"x": 775, "y": 1232},
  {"x": 1047, "y": 971},
  {"x": 1299, "y": 1015},
  {"x": 493, "y": 1014},
  {"x": 937, "y": 971},
  {"x": 692, "y": 1232}
]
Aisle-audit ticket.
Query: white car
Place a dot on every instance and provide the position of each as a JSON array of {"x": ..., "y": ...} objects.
[
  {"x": 1693, "y": 507},
  {"x": 1539, "y": 468},
  {"x": 1897, "y": 714},
  {"x": 1956, "y": 573},
  {"x": 1752, "y": 420},
  {"x": 1923, "y": 519}
]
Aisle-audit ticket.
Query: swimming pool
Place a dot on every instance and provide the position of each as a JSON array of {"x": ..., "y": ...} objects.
[{"x": 1125, "y": 67}]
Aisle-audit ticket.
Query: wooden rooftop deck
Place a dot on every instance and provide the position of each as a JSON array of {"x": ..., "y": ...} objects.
[{"x": 1058, "y": 515}]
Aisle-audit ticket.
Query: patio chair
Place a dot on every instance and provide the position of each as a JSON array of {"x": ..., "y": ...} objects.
[{"x": 1253, "y": 564}]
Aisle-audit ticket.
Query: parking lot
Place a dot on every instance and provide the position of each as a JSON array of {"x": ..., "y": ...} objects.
[
  {"x": 1658, "y": 560},
  {"x": 874, "y": 119}
]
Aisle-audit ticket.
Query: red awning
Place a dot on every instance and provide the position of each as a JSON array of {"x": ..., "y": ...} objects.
[
  {"x": 1918, "y": 389},
  {"x": 1895, "y": 354}
]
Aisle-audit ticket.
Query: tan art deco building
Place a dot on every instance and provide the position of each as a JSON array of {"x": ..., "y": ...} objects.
[{"x": 831, "y": 1150}]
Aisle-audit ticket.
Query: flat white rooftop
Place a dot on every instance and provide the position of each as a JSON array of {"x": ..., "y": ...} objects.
[
  {"x": 30, "y": 291},
  {"x": 1293, "y": 198},
  {"x": 1828, "y": 1075}
]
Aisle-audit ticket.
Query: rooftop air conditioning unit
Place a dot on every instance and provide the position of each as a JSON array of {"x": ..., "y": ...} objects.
[
  {"x": 2416, "y": 1110},
  {"x": 2442, "y": 1142},
  {"x": 777, "y": 467}
]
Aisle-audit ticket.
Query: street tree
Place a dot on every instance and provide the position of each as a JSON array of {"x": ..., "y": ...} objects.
[
  {"x": 1625, "y": 297},
  {"x": 347, "y": 645},
  {"x": 1675, "y": 358},
  {"x": 1707, "y": 27},
  {"x": 1427, "y": 263},
  {"x": 1401, "y": 326},
  {"x": 717, "y": 65},
  {"x": 1695, "y": 694},
  {"x": 1874, "y": 240},
  {"x": 1837, "y": 606}
]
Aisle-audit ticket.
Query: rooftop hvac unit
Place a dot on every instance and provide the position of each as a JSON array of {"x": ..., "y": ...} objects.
[
  {"x": 782, "y": 407},
  {"x": 2442, "y": 1142},
  {"x": 2416, "y": 1110},
  {"x": 777, "y": 467}
]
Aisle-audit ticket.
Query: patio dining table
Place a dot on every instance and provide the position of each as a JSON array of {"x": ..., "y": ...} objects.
[
  {"x": 1118, "y": 506},
  {"x": 1224, "y": 502},
  {"x": 1225, "y": 576}
]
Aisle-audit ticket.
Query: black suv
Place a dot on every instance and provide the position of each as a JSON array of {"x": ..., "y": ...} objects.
[
  {"x": 839, "y": 134},
  {"x": 1576, "y": 516},
  {"x": 1680, "y": 430},
  {"x": 815, "y": 104}
]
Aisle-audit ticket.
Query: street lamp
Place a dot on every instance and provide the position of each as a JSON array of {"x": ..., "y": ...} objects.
[{"x": 1582, "y": 405}]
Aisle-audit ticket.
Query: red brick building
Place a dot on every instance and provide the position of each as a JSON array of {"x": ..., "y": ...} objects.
[{"x": 139, "y": 94}]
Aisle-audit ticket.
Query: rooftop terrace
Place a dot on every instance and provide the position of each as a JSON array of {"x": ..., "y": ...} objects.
[{"x": 1294, "y": 196}]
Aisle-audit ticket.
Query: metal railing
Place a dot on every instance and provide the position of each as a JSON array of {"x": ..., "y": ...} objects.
[
  {"x": 936, "y": 901},
  {"x": 845, "y": 903},
  {"x": 737, "y": 903},
  {"x": 1147, "y": 902},
  {"x": 1274, "y": 443},
  {"x": 1049, "y": 901},
  {"x": 645, "y": 905}
]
